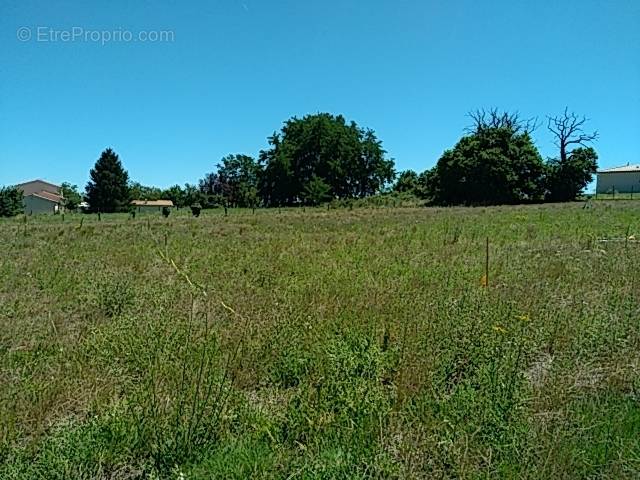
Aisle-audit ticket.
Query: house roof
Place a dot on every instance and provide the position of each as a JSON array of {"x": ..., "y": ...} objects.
[
  {"x": 52, "y": 197},
  {"x": 38, "y": 180},
  {"x": 152, "y": 203},
  {"x": 623, "y": 169}
]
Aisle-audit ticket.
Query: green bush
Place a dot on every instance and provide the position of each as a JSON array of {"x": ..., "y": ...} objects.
[
  {"x": 195, "y": 210},
  {"x": 10, "y": 202}
]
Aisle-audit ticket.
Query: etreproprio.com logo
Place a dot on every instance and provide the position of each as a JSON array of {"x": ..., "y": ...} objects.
[{"x": 46, "y": 34}]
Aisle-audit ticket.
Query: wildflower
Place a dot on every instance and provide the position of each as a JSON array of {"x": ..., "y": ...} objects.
[
  {"x": 523, "y": 318},
  {"x": 499, "y": 329}
]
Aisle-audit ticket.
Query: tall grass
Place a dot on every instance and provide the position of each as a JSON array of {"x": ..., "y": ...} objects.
[{"x": 322, "y": 343}]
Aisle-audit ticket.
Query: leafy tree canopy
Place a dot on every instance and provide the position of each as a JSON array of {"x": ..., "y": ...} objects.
[
  {"x": 193, "y": 195},
  {"x": 566, "y": 179},
  {"x": 235, "y": 182},
  {"x": 407, "y": 182},
  {"x": 71, "y": 194},
  {"x": 347, "y": 158},
  {"x": 108, "y": 188},
  {"x": 11, "y": 202},
  {"x": 492, "y": 165},
  {"x": 316, "y": 191},
  {"x": 143, "y": 192},
  {"x": 177, "y": 195},
  {"x": 573, "y": 170}
]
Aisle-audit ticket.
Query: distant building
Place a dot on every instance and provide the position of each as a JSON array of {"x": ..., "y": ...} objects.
[
  {"x": 624, "y": 179},
  {"x": 41, "y": 197},
  {"x": 143, "y": 206}
]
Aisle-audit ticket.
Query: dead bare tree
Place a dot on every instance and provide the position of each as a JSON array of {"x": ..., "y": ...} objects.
[
  {"x": 493, "y": 118},
  {"x": 568, "y": 130}
]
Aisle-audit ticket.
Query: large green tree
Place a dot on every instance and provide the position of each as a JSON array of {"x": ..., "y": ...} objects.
[
  {"x": 350, "y": 160},
  {"x": 573, "y": 169},
  {"x": 193, "y": 195},
  {"x": 137, "y": 191},
  {"x": 566, "y": 179},
  {"x": 407, "y": 182},
  {"x": 422, "y": 187},
  {"x": 211, "y": 191},
  {"x": 497, "y": 163},
  {"x": 71, "y": 194},
  {"x": 108, "y": 189},
  {"x": 177, "y": 195},
  {"x": 11, "y": 201},
  {"x": 236, "y": 180},
  {"x": 316, "y": 191}
]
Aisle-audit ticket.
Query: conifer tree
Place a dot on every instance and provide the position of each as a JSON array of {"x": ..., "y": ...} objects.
[{"x": 108, "y": 189}]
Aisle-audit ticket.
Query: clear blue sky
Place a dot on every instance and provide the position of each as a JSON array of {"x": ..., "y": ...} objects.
[{"x": 236, "y": 69}]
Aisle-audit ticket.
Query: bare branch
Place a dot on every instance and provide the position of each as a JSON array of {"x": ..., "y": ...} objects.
[
  {"x": 488, "y": 119},
  {"x": 568, "y": 130}
]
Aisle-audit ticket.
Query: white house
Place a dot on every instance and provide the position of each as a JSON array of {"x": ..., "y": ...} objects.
[
  {"x": 624, "y": 179},
  {"x": 41, "y": 197}
]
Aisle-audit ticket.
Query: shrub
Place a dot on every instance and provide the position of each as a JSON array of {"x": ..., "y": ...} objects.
[
  {"x": 490, "y": 166},
  {"x": 10, "y": 201}
]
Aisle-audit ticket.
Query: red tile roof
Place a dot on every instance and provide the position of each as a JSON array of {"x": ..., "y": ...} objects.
[{"x": 52, "y": 197}]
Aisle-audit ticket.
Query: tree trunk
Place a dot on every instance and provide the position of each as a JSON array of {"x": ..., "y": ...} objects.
[{"x": 563, "y": 152}]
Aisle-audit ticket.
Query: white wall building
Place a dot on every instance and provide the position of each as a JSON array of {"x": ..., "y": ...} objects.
[
  {"x": 41, "y": 197},
  {"x": 624, "y": 179}
]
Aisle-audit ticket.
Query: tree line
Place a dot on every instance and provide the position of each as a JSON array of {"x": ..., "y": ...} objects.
[
  {"x": 497, "y": 162},
  {"x": 323, "y": 157}
]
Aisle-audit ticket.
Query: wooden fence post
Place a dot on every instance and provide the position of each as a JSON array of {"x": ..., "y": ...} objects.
[{"x": 486, "y": 264}]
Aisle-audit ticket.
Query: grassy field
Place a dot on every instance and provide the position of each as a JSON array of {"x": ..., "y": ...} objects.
[{"x": 358, "y": 343}]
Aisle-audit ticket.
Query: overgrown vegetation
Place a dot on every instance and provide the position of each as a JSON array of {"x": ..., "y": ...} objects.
[
  {"x": 348, "y": 159},
  {"x": 71, "y": 195},
  {"x": 349, "y": 342},
  {"x": 323, "y": 158},
  {"x": 498, "y": 163},
  {"x": 493, "y": 165},
  {"x": 10, "y": 201}
]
